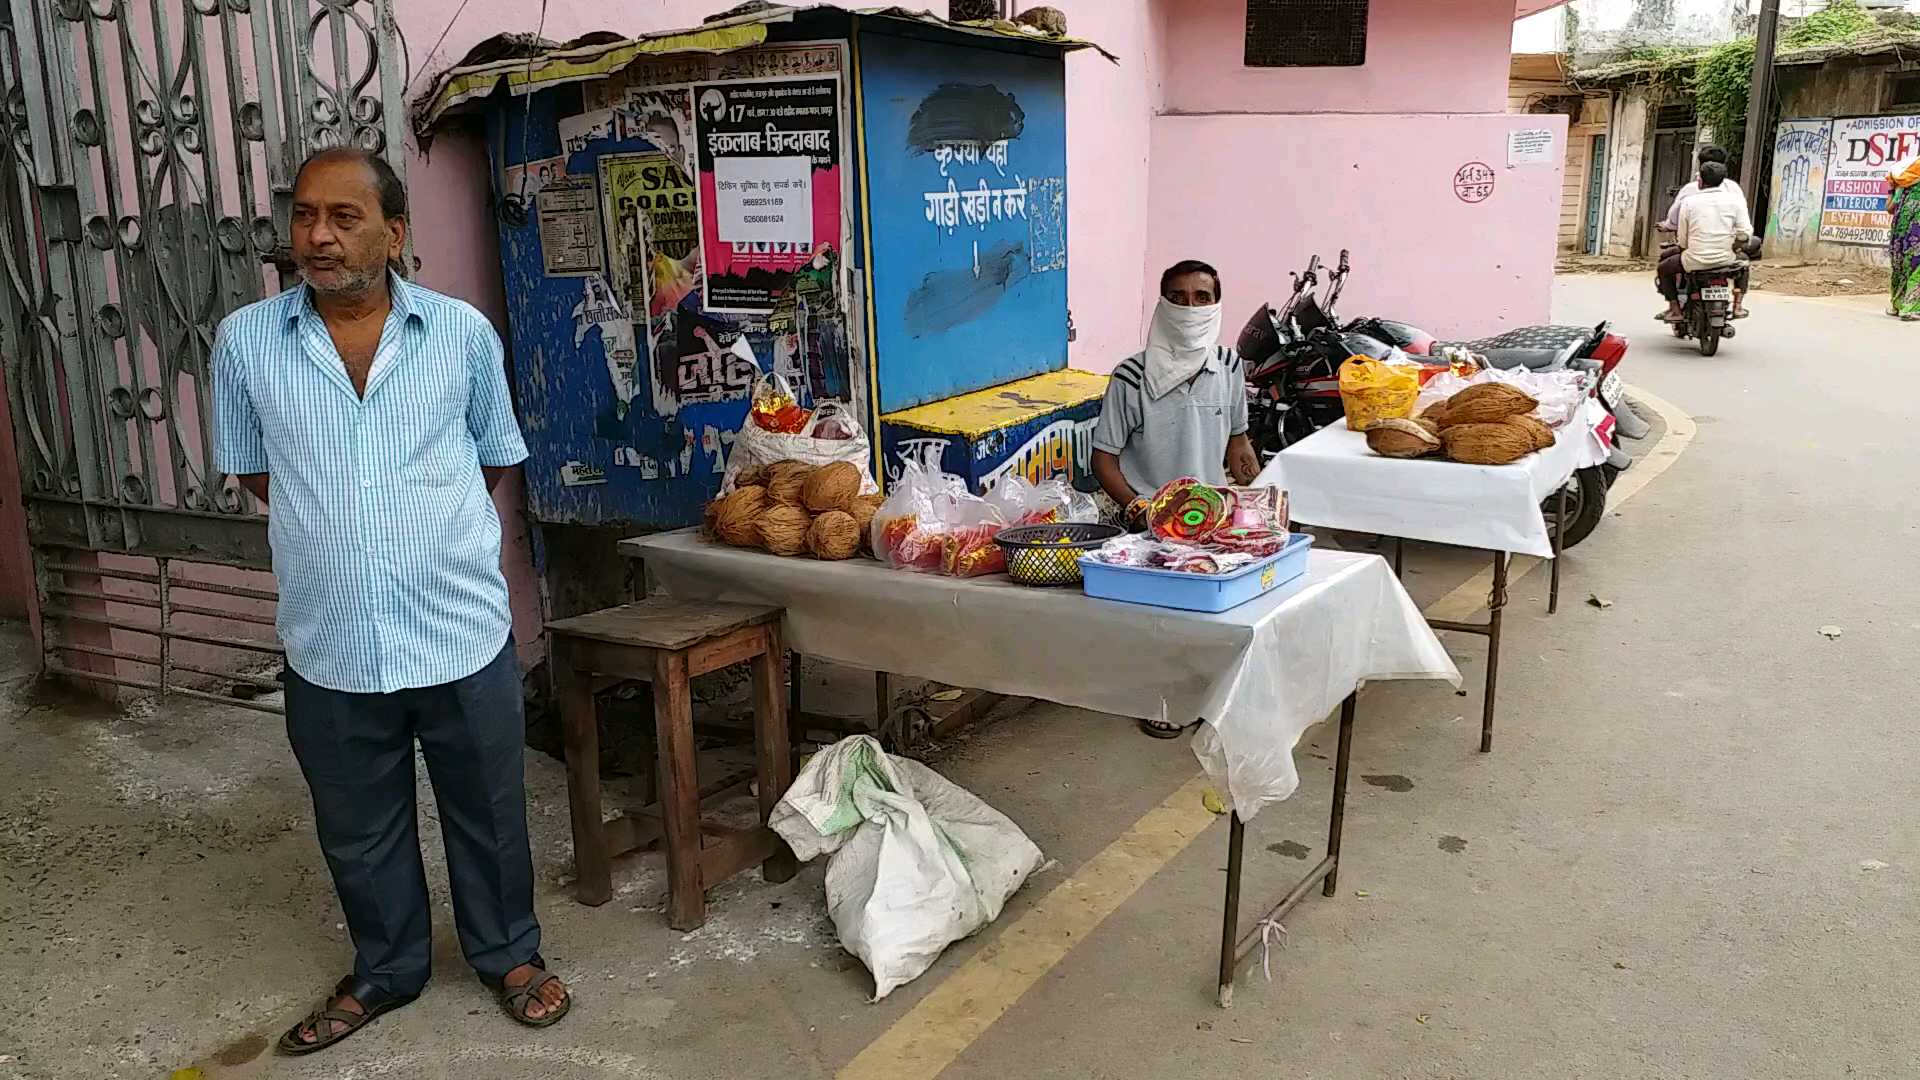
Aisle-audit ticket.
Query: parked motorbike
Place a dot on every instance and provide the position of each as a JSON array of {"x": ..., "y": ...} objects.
[{"x": 1293, "y": 356}]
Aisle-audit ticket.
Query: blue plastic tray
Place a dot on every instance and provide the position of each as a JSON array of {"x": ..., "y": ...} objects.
[{"x": 1196, "y": 592}]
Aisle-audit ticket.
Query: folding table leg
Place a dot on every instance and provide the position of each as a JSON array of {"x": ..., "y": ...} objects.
[
  {"x": 883, "y": 712},
  {"x": 1400, "y": 557},
  {"x": 1338, "y": 816},
  {"x": 793, "y": 692},
  {"x": 1230, "y": 915},
  {"x": 1495, "y": 604},
  {"x": 1559, "y": 545},
  {"x": 1233, "y": 945}
]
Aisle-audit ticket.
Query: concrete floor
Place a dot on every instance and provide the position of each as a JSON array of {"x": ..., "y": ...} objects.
[{"x": 1660, "y": 872}]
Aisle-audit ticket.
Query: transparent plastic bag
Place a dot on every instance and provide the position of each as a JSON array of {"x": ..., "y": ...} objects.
[
  {"x": 1049, "y": 502},
  {"x": 776, "y": 407},
  {"x": 913, "y": 527}
]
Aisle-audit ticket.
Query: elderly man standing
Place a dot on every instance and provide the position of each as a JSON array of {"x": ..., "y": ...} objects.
[{"x": 375, "y": 414}]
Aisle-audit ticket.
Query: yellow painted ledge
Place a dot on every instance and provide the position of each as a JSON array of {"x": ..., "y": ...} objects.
[{"x": 996, "y": 407}]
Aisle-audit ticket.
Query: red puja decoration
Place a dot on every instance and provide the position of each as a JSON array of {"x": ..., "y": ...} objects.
[{"x": 1187, "y": 511}]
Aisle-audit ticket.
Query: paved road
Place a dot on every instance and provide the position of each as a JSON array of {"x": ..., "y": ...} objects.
[{"x": 1658, "y": 874}]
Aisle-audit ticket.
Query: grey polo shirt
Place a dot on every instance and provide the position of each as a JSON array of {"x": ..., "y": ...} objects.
[{"x": 1184, "y": 433}]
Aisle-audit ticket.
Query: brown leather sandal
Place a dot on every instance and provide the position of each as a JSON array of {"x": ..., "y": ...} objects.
[
  {"x": 516, "y": 999},
  {"x": 321, "y": 1021}
]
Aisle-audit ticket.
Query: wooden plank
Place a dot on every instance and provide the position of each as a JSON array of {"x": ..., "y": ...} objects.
[
  {"x": 772, "y": 746},
  {"x": 716, "y": 653},
  {"x": 592, "y": 864},
  {"x": 661, "y": 622},
  {"x": 738, "y": 851},
  {"x": 609, "y": 663},
  {"x": 679, "y": 791}
]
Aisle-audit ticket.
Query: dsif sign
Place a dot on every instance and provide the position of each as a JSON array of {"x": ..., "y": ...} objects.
[{"x": 1865, "y": 150}]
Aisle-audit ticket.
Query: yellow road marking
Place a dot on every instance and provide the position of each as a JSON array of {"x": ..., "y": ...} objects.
[{"x": 934, "y": 1033}]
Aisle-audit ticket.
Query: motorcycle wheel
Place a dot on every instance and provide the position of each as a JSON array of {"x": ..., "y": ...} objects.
[
  {"x": 1704, "y": 331},
  {"x": 1586, "y": 505}
]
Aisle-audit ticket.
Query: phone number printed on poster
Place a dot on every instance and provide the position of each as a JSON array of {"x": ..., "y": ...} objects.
[
  {"x": 769, "y": 156},
  {"x": 1473, "y": 182}
]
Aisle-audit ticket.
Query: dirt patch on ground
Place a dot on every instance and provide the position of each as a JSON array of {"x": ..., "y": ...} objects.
[
  {"x": 1815, "y": 279},
  {"x": 1791, "y": 279},
  {"x": 1600, "y": 264}
]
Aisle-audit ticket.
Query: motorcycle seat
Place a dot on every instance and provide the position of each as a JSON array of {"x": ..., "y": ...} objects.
[
  {"x": 1536, "y": 348},
  {"x": 1730, "y": 268},
  {"x": 1531, "y": 359}
]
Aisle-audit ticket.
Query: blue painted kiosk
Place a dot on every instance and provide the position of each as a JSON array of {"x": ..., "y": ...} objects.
[{"x": 874, "y": 202}]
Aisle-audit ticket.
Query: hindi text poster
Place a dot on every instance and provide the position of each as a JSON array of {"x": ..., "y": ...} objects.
[{"x": 759, "y": 134}]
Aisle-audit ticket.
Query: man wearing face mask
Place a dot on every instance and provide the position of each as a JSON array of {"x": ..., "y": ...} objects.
[{"x": 1179, "y": 407}]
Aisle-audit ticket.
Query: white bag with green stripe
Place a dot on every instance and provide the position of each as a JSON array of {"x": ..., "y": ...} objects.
[{"x": 917, "y": 862}]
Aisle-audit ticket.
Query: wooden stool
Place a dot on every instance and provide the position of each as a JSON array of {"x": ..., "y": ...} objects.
[{"x": 667, "y": 642}]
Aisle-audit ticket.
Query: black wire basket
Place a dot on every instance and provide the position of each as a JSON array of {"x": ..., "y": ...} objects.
[{"x": 1048, "y": 555}]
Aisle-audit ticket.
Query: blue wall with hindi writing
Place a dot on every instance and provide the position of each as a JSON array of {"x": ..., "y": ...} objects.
[{"x": 966, "y": 155}]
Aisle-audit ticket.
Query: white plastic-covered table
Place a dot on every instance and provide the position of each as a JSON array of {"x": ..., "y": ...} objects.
[
  {"x": 1260, "y": 674},
  {"x": 1333, "y": 480}
]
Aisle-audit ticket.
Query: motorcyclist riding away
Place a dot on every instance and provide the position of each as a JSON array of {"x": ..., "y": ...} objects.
[{"x": 1714, "y": 229}]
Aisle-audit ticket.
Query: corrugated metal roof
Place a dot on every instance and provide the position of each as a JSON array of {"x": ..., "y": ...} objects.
[
  {"x": 1886, "y": 41},
  {"x": 463, "y": 85}
]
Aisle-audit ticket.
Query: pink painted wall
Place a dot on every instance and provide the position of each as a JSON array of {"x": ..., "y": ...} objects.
[
  {"x": 1423, "y": 56},
  {"x": 1381, "y": 186}
]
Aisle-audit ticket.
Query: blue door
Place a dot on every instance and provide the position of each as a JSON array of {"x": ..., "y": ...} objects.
[{"x": 1596, "y": 191}]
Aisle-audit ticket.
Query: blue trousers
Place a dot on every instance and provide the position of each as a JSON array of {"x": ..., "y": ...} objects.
[{"x": 357, "y": 753}]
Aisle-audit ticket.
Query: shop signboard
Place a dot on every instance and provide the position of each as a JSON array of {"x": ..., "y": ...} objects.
[{"x": 1865, "y": 149}]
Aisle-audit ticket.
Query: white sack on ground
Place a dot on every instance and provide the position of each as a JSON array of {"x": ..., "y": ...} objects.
[{"x": 917, "y": 862}]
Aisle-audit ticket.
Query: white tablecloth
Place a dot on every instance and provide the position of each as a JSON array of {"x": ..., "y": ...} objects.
[
  {"x": 1261, "y": 673},
  {"x": 1332, "y": 479}
]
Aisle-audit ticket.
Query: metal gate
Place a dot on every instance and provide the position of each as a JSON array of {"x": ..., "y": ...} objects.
[{"x": 147, "y": 153}]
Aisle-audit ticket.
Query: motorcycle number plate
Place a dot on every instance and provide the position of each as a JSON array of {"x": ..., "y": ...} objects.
[
  {"x": 1722, "y": 293},
  {"x": 1610, "y": 390}
]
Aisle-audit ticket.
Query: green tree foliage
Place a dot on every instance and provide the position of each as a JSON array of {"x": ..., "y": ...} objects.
[{"x": 1723, "y": 75}]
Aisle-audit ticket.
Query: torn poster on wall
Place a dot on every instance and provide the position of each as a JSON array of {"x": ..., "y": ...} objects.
[
  {"x": 601, "y": 309},
  {"x": 527, "y": 181},
  {"x": 576, "y": 132},
  {"x": 770, "y": 200},
  {"x": 654, "y": 236},
  {"x": 663, "y": 117},
  {"x": 569, "y": 211},
  {"x": 763, "y": 62}
]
